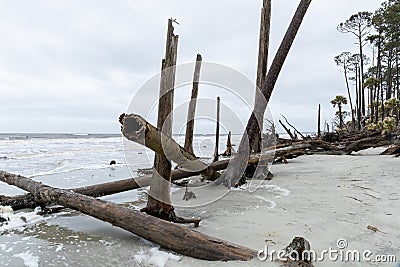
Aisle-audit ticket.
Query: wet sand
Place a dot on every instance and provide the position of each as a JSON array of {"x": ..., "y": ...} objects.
[{"x": 322, "y": 198}]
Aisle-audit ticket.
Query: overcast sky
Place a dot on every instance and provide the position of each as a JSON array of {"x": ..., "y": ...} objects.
[{"x": 74, "y": 66}]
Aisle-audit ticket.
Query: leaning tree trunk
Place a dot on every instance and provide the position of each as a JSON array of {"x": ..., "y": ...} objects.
[
  {"x": 158, "y": 199},
  {"x": 168, "y": 235},
  {"x": 192, "y": 106},
  {"x": 353, "y": 119},
  {"x": 235, "y": 171}
]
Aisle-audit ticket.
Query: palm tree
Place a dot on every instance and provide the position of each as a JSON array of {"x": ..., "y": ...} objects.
[{"x": 339, "y": 100}]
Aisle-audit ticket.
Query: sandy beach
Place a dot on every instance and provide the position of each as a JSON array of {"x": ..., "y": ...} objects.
[{"x": 321, "y": 198}]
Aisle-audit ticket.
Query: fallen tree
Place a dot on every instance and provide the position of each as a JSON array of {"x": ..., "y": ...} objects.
[
  {"x": 137, "y": 129},
  {"x": 168, "y": 235}
]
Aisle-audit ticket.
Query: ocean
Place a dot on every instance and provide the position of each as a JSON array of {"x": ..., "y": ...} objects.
[{"x": 69, "y": 161}]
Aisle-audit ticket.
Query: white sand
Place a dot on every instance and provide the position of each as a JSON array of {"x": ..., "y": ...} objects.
[{"x": 331, "y": 197}]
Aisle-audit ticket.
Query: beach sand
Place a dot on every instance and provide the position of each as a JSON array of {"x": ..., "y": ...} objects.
[{"x": 321, "y": 198}]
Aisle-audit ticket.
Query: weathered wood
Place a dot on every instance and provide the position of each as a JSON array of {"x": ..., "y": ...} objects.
[
  {"x": 192, "y": 106},
  {"x": 393, "y": 150},
  {"x": 367, "y": 143},
  {"x": 287, "y": 130},
  {"x": 232, "y": 175},
  {"x": 28, "y": 201},
  {"x": 294, "y": 128},
  {"x": 229, "y": 148},
  {"x": 168, "y": 235},
  {"x": 263, "y": 51},
  {"x": 159, "y": 196},
  {"x": 216, "y": 153},
  {"x": 137, "y": 129},
  {"x": 319, "y": 122}
]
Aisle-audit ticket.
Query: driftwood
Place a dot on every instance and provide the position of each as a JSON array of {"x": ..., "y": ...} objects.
[
  {"x": 216, "y": 154},
  {"x": 298, "y": 253},
  {"x": 292, "y": 136},
  {"x": 159, "y": 195},
  {"x": 263, "y": 51},
  {"x": 294, "y": 128},
  {"x": 394, "y": 150},
  {"x": 229, "y": 148},
  {"x": 168, "y": 235},
  {"x": 192, "y": 106},
  {"x": 137, "y": 129}
]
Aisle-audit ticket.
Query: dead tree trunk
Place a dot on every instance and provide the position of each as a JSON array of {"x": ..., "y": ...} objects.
[
  {"x": 192, "y": 106},
  {"x": 294, "y": 128},
  {"x": 228, "y": 151},
  {"x": 234, "y": 173},
  {"x": 263, "y": 49},
  {"x": 216, "y": 154},
  {"x": 287, "y": 130},
  {"x": 168, "y": 235},
  {"x": 158, "y": 199},
  {"x": 28, "y": 201},
  {"x": 138, "y": 130},
  {"x": 319, "y": 122}
]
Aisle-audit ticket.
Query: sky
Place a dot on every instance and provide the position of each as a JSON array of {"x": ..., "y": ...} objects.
[{"x": 74, "y": 66}]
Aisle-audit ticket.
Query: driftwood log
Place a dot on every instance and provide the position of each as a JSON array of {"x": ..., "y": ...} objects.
[
  {"x": 168, "y": 235},
  {"x": 137, "y": 129},
  {"x": 192, "y": 106}
]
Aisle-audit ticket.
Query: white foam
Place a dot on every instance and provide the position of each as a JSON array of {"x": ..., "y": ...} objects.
[
  {"x": 29, "y": 259},
  {"x": 157, "y": 258}
]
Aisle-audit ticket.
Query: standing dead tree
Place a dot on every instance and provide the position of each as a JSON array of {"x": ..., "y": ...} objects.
[
  {"x": 216, "y": 154},
  {"x": 192, "y": 106},
  {"x": 234, "y": 173},
  {"x": 263, "y": 49},
  {"x": 159, "y": 196}
]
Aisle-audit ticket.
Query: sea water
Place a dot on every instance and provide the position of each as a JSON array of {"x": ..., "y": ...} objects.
[{"x": 70, "y": 238}]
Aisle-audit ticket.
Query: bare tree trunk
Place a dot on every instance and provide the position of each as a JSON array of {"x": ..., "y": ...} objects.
[
  {"x": 389, "y": 76},
  {"x": 349, "y": 94},
  {"x": 287, "y": 130},
  {"x": 235, "y": 171},
  {"x": 192, "y": 106},
  {"x": 228, "y": 151},
  {"x": 263, "y": 50},
  {"x": 168, "y": 235},
  {"x": 158, "y": 200},
  {"x": 216, "y": 154},
  {"x": 362, "y": 96},
  {"x": 319, "y": 122},
  {"x": 294, "y": 128}
]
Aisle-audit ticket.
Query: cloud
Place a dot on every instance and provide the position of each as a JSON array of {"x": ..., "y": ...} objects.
[{"x": 74, "y": 66}]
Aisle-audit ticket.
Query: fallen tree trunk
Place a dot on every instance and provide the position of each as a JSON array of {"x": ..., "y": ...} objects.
[
  {"x": 28, "y": 201},
  {"x": 137, "y": 129},
  {"x": 367, "y": 143},
  {"x": 168, "y": 235},
  {"x": 394, "y": 150}
]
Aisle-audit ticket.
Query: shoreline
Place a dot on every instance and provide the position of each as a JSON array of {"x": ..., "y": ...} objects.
[{"x": 331, "y": 198}]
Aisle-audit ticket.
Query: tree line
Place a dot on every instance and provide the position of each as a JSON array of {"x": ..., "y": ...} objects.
[{"x": 371, "y": 73}]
